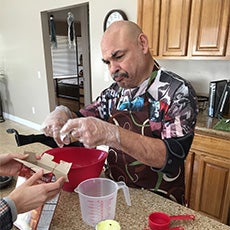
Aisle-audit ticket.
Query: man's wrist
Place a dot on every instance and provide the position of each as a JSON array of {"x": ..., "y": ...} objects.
[{"x": 113, "y": 137}]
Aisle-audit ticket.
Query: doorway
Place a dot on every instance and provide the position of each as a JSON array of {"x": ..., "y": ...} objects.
[{"x": 67, "y": 67}]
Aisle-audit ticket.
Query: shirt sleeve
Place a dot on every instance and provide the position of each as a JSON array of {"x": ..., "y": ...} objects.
[
  {"x": 8, "y": 213},
  {"x": 12, "y": 208},
  {"x": 177, "y": 119},
  {"x": 177, "y": 151}
]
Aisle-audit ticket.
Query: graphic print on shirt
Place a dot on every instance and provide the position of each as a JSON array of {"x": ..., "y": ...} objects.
[{"x": 155, "y": 109}]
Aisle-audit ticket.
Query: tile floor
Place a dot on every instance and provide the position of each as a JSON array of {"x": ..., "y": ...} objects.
[{"x": 7, "y": 141}]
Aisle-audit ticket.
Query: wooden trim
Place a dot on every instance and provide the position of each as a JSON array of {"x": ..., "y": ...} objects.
[{"x": 214, "y": 146}]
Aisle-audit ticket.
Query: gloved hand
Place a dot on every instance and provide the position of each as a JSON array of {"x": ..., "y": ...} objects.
[
  {"x": 54, "y": 122},
  {"x": 91, "y": 132}
]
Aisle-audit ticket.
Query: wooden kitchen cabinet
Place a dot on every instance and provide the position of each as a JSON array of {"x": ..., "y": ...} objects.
[
  {"x": 185, "y": 28},
  {"x": 174, "y": 27},
  {"x": 207, "y": 175},
  {"x": 209, "y": 27},
  {"x": 149, "y": 20}
]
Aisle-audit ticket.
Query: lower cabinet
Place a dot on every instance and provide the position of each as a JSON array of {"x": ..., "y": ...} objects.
[{"x": 207, "y": 176}]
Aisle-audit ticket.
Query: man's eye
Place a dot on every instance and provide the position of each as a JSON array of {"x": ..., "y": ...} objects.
[
  {"x": 106, "y": 62},
  {"x": 119, "y": 57}
]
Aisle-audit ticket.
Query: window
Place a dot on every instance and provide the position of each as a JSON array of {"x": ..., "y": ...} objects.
[{"x": 63, "y": 58}]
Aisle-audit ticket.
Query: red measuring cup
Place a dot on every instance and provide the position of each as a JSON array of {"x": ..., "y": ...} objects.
[{"x": 161, "y": 221}]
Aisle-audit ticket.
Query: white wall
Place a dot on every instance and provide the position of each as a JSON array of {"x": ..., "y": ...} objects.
[
  {"x": 22, "y": 55},
  {"x": 98, "y": 9},
  {"x": 199, "y": 72}
]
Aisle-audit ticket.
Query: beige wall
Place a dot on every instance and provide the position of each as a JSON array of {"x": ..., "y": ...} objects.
[{"x": 22, "y": 56}]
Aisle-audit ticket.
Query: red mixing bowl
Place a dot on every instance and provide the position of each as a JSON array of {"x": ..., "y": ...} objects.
[{"x": 86, "y": 163}]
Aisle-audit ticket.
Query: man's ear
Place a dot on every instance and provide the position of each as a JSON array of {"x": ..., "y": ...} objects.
[{"x": 143, "y": 42}]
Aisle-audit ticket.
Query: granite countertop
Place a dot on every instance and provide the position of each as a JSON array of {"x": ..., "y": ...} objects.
[
  {"x": 68, "y": 214},
  {"x": 135, "y": 217},
  {"x": 205, "y": 126}
]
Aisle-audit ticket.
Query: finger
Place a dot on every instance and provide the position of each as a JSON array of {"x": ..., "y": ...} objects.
[
  {"x": 52, "y": 194},
  {"x": 59, "y": 142},
  {"x": 70, "y": 125},
  {"x": 20, "y": 156},
  {"x": 70, "y": 131},
  {"x": 56, "y": 136},
  {"x": 66, "y": 139},
  {"x": 7, "y": 158},
  {"x": 46, "y": 130},
  {"x": 61, "y": 181},
  {"x": 11, "y": 156},
  {"x": 35, "y": 177},
  {"x": 38, "y": 157},
  {"x": 53, "y": 188},
  {"x": 76, "y": 133}
]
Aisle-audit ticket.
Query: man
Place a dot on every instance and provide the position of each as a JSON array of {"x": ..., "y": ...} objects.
[
  {"x": 147, "y": 117},
  {"x": 28, "y": 195}
]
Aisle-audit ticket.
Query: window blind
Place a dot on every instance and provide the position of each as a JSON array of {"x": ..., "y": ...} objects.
[{"x": 63, "y": 58}]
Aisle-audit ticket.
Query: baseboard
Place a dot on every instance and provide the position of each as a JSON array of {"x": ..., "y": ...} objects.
[{"x": 22, "y": 121}]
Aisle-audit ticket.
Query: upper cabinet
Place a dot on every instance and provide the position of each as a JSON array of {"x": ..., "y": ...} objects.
[
  {"x": 209, "y": 28},
  {"x": 186, "y": 29}
]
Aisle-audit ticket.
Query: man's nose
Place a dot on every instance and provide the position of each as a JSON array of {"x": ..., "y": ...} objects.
[{"x": 114, "y": 67}]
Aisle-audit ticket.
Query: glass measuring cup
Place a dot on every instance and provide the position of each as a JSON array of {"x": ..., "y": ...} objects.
[
  {"x": 98, "y": 199},
  {"x": 161, "y": 221}
]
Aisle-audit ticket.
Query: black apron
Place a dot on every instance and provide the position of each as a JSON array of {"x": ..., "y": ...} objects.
[{"x": 122, "y": 167}]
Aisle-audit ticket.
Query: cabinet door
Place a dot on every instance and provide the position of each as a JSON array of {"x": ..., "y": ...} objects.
[
  {"x": 188, "y": 176},
  {"x": 184, "y": 29},
  {"x": 210, "y": 191},
  {"x": 174, "y": 27},
  {"x": 166, "y": 23},
  {"x": 228, "y": 48},
  {"x": 209, "y": 27},
  {"x": 149, "y": 21}
]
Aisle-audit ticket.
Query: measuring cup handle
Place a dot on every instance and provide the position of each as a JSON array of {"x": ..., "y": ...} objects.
[
  {"x": 125, "y": 189},
  {"x": 177, "y": 228},
  {"x": 182, "y": 217}
]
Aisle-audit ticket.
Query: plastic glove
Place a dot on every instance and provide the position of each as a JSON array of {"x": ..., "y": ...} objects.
[
  {"x": 54, "y": 122},
  {"x": 91, "y": 132}
]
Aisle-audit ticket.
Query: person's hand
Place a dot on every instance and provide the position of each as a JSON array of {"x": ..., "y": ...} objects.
[
  {"x": 54, "y": 122},
  {"x": 9, "y": 166},
  {"x": 91, "y": 132},
  {"x": 31, "y": 195}
]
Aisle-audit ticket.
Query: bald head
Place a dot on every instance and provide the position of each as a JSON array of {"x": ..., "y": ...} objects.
[{"x": 125, "y": 29}]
